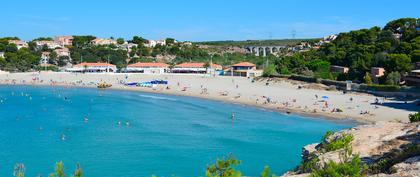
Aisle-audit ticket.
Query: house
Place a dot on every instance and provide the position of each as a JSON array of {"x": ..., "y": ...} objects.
[
  {"x": 19, "y": 44},
  {"x": 45, "y": 58},
  {"x": 196, "y": 68},
  {"x": 244, "y": 69},
  {"x": 49, "y": 44},
  {"x": 413, "y": 78},
  {"x": 102, "y": 41},
  {"x": 62, "y": 52},
  {"x": 127, "y": 46},
  {"x": 148, "y": 68},
  {"x": 2, "y": 55},
  {"x": 63, "y": 40},
  {"x": 153, "y": 43},
  {"x": 377, "y": 72},
  {"x": 339, "y": 69},
  {"x": 93, "y": 68}
]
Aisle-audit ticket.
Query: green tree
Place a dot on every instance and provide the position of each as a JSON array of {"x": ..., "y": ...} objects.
[
  {"x": 169, "y": 41},
  {"x": 139, "y": 40},
  {"x": 120, "y": 41},
  {"x": 393, "y": 78},
  {"x": 223, "y": 168},
  {"x": 266, "y": 172},
  {"x": 269, "y": 70},
  {"x": 367, "y": 79},
  {"x": 399, "y": 62},
  {"x": 53, "y": 58},
  {"x": 415, "y": 117}
]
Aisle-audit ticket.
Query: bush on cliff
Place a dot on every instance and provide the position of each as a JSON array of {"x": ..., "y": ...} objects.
[
  {"x": 336, "y": 143},
  {"x": 353, "y": 168},
  {"x": 414, "y": 117}
]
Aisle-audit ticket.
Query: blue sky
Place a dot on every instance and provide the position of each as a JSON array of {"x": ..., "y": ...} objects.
[{"x": 198, "y": 20}]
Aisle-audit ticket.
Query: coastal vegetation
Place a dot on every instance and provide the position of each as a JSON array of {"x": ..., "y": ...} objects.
[
  {"x": 330, "y": 143},
  {"x": 415, "y": 117},
  {"x": 19, "y": 170}
]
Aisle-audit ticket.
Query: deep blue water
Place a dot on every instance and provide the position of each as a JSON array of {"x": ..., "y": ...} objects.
[{"x": 167, "y": 134}]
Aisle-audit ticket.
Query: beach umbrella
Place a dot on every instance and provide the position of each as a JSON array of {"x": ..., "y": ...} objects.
[{"x": 325, "y": 97}]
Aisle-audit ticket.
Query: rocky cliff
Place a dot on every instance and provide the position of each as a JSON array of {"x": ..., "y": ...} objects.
[{"x": 384, "y": 149}]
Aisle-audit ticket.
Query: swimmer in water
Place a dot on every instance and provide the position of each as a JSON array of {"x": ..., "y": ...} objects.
[
  {"x": 119, "y": 122},
  {"x": 86, "y": 119},
  {"x": 63, "y": 137},
  {"x": 233, "y": 116},
  {"x": 127, "y": 123}
]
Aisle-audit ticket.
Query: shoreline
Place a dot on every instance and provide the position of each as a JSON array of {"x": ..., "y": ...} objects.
[
  {"x": 287, "y": 99},
  {"x": 335, "y": 119}
]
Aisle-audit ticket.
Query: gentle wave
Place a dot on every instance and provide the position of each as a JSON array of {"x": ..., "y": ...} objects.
[{"x": 157, "y": 97}]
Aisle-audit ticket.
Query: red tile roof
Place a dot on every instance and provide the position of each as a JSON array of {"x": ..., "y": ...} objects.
[
  {"x": 149, "y": 64},
  {"x": 196, "y": 65},
  {"x": 93, "y": 64},
  {"x": 245, "y": 64}
]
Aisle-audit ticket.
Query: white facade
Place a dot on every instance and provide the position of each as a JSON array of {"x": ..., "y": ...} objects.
[
  {"x": 45, "y": 58},
  {"x": 2, "y": 55},
  {"x": 49, "y": 44},
  {"x": 62, "y": 52},
  {"x": 153, "y": 43},
  {"x": 148, "y": 68},
  {"x": 93, "y": 68},
  {"x": 19, "y": 44},
  {"x": 101, "y": 41}
]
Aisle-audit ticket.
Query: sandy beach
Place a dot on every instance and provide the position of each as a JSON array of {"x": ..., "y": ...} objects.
[{"x": 276, "y": 94}]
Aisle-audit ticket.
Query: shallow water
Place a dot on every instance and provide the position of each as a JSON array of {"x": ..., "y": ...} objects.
[{"x": 167, "y": 134}]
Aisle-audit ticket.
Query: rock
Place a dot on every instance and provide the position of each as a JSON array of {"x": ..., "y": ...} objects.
[
  {"x": 371, "y": 142},
  {"x": 308, "y": 149},
  {"x": 408, "y": 168}
]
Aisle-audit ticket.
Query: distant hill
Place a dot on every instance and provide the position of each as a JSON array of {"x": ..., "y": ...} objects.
[{"x": 277, "y": 42}]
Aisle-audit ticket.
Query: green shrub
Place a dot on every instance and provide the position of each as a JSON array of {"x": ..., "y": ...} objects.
[
  {"x": 223, "y": 168},
  {"x": 414, "y": 117},
  {"x": 340, "y": 142},
  {"x": 367, "y": 79},
  {"x": 269, "y": 70},
  {"x": 351, "y": 168},
  {"x": 309, "y": 165}
]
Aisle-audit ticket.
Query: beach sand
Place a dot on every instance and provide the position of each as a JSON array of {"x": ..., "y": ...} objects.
[{"x": 279, "y": 94}]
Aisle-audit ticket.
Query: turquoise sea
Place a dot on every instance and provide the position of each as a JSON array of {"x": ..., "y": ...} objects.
[{"x": 167, "y": 135}]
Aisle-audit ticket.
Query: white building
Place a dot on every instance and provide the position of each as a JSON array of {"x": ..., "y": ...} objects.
[
  {"x": 196, "y": 68},
  {"x": 93, "y": 68},
  {"x": 45, "y": 58},
  {"x": 148, "y": 68},
  {"x": 153, "y": 43},
  {"x": 127, "y": 46},
  {"x": 62, "y": 52},
  {"x": 2, "y": 55},
  {"x": 102, "y": 41},
  {"x": 49, "y": 44},
  {"x": 64, "y": 40},
  {"x": 19, "y": 44}
]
